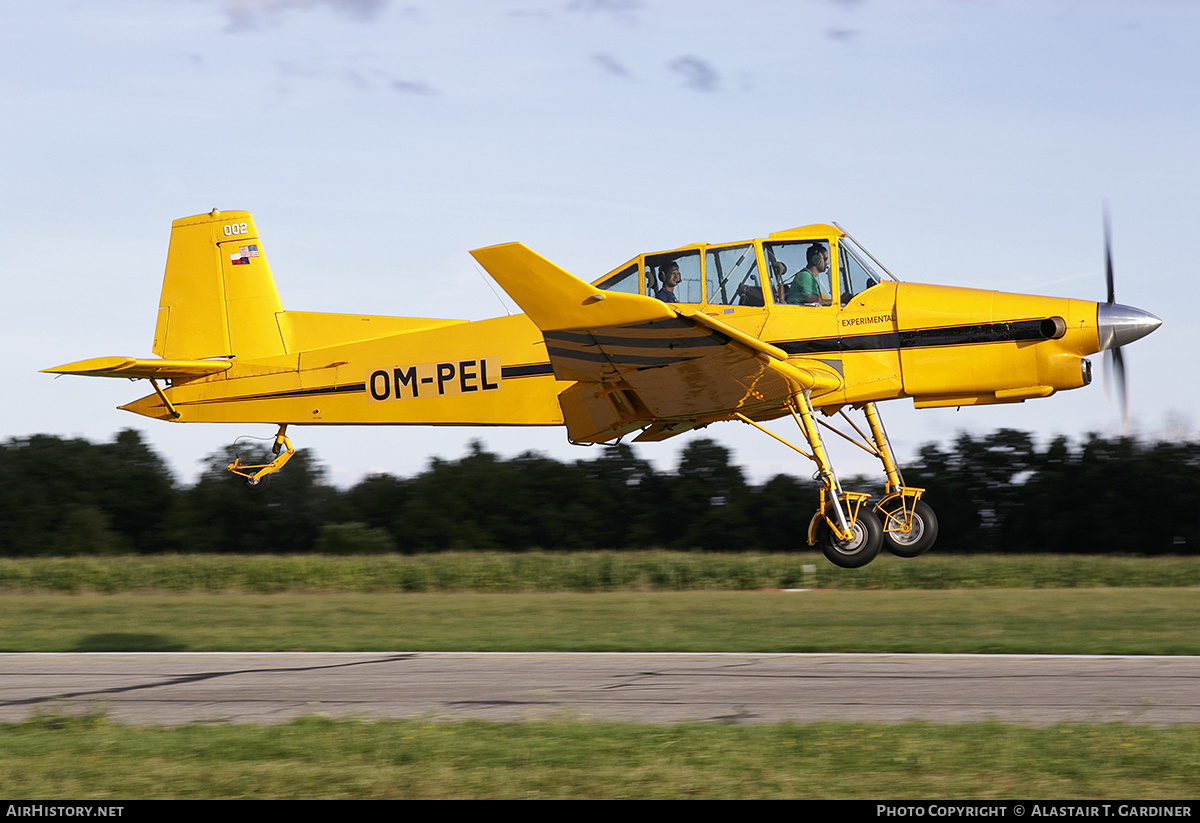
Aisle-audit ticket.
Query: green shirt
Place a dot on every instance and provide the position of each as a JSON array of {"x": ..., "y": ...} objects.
[{"x": 804, "y": 284}]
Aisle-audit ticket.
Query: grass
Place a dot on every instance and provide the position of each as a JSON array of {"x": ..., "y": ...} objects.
[
  {"x": 91, "y": 758},
  {"x": 1058, "y": 621},
  {"x": 581, "y": 572},
  {"x": 605, "y": 601}
]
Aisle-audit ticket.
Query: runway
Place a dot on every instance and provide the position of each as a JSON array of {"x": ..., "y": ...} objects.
[{"x": 176, "y": 688}]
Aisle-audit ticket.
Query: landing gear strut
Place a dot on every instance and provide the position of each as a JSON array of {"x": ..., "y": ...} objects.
[{"x": 909, "y": 525}]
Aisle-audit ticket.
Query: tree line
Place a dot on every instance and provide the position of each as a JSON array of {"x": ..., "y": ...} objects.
[{"x": 997, "y": 492}]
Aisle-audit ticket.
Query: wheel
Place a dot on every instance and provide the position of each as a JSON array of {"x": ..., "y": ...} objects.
[
  {"x": 868, "y": 540},
  {"x": 257, "y": 485},
  {"x": 919, "y": 539}
]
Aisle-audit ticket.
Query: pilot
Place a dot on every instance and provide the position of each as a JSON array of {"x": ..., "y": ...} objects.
[
  {"x": 668, "y": 275},
  {"x": 805, "y": 290}
]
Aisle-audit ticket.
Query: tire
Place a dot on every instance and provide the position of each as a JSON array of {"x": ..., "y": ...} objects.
[
  {"x": 257, "y": 485},
  {"x": 922, "y": 536},
  {"x": 867, "y": 542}
]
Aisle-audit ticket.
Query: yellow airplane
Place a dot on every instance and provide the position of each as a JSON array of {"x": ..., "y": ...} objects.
[{"x": 796, "y": 323}]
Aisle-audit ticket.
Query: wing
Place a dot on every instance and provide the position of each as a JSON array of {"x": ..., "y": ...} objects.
[{"x": 640, "y": 363}]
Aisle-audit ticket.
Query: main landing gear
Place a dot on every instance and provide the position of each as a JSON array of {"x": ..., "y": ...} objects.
[{"x": 848, "y": 529}]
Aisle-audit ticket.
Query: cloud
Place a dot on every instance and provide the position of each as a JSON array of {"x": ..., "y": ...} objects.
[
  {"x": 358, "y": 80},
  {"x": 610, "y": 64},
  {"x": 697, "y": 73},
  {"x": 419, "y": 87},
  {"x": 623, "y": 10},
  {"x": 538, "y": 14},
  {"x": 370, "y": 81},
  {"x": 845, "y": 35},
  {"x": 316, "y": 69},
  {"x": 250, "y": 15}
]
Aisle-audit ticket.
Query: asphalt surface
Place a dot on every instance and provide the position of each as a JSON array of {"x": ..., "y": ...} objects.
[{"x": 171, "y": 688}]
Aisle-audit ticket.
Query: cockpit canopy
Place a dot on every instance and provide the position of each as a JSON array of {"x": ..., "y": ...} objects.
[{"x": 811, "y": 266}]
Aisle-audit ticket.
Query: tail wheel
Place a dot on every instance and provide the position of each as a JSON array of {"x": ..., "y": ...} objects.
[
  {"x": 917, "y": 540},
  {"x": 256, "y": 484},
  {"x": 857, "y": 552}
]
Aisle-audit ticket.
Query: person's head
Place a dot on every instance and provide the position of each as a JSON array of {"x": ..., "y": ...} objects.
[
  {"x": 668, "y": 274},
  {"x": 818, "y": 256}
]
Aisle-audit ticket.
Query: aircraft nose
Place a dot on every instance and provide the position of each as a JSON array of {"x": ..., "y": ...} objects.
[{"x": 1117, "y": 325}]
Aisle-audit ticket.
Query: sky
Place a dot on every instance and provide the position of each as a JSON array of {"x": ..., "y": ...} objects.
[{"x": 376, "y": 142}]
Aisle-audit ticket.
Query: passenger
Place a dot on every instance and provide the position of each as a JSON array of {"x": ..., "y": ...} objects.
[
  {"x": 668, "y": 275},
  {"x": 805, "y": 289}
]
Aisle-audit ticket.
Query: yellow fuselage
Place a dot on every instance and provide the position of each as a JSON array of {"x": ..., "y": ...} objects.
[
  {"x": 231, "y": 353},
  {"x": 939, "y": 345}
]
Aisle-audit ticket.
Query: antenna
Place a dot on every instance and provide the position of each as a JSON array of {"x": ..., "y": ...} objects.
[
  {"x": 864, "y": 250},
  {"x": 492, "y": 286}
]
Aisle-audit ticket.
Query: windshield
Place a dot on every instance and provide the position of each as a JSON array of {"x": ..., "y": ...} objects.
[{"x": 856, "y": 275}]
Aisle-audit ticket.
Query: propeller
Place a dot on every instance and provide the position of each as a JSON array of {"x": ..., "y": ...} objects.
[
  {"x": 1118, "y": 325},
  {"x": 1114, "y": 362}
]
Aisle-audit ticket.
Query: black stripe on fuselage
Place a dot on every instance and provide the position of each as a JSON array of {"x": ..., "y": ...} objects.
[
  {"x": 349, "y": 388},
  {"x": 532, "y": 370},
  {"x": 974, "y": 334}
]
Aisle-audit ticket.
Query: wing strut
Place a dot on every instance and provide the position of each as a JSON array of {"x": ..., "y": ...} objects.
[{"x": 163, "y": 397}]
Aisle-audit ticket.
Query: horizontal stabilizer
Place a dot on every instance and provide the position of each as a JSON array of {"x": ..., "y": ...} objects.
[{"x": 130, "y": 367}]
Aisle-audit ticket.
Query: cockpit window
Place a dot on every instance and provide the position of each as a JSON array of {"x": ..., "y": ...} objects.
[
  {"x": 856, "y": 275},
  {"x": 676, "y": 276},
  {"x": 731, "y": 277},
  {"x": 625, "y": 281},
  {"x": 798, "y": 272}
]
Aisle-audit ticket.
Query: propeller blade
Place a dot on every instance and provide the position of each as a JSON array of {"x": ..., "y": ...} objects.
[
  {"x": 1118, "y": 325},
  {"x": 1121, "y": 386},
  {"x": 1106, "y": 362},
  {"x": 1108, "y": 264}
]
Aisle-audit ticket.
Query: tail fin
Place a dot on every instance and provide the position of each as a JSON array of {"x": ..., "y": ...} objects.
[{"x": 218, "y": 296}]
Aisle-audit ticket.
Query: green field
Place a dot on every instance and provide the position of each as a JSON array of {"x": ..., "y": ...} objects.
[
  {"x": 581, "y": 572},
  {"x": 599, "y": 602},
  {"x": 1059, "y": 621}
]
